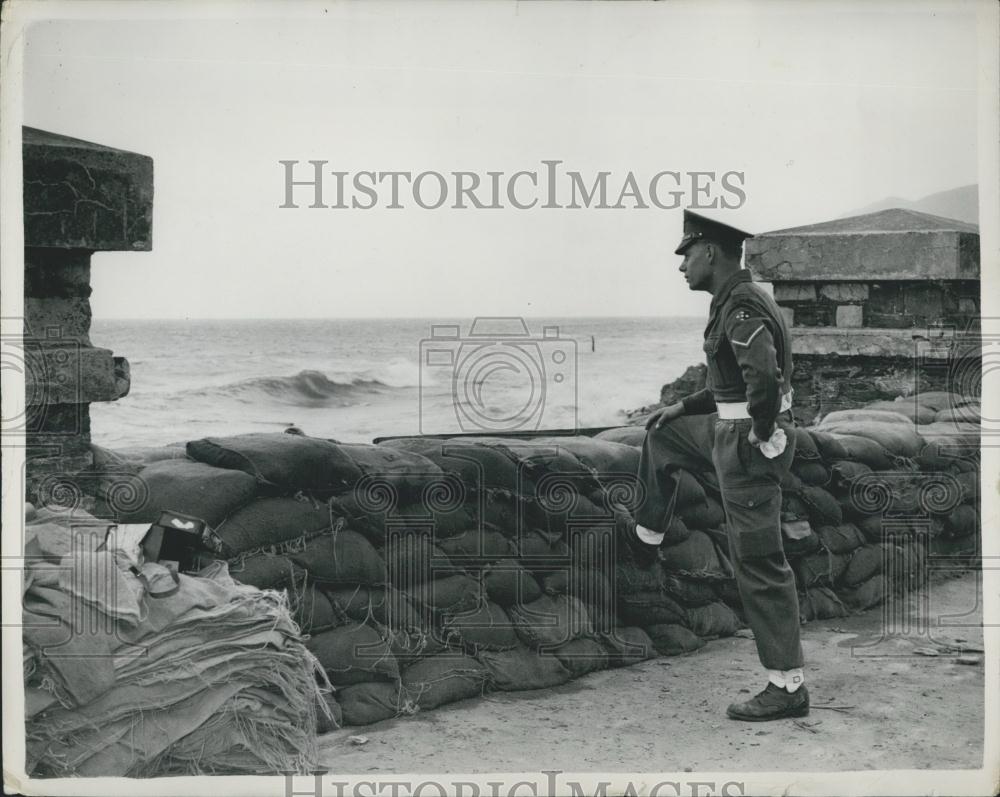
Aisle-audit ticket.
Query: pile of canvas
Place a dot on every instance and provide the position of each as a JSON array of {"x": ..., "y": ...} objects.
[{"x": 129, "y": 672}]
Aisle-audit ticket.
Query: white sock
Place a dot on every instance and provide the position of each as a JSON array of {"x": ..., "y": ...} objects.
[
  {"x": 648, "y": 536},
  {"x": 789, "y": 680}
]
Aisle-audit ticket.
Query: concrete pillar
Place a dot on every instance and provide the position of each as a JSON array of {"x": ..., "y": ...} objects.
[{"x": 79, "y": 198}]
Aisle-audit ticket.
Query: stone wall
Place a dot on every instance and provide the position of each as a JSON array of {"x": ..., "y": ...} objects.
[{"x": 79, "y": 198}]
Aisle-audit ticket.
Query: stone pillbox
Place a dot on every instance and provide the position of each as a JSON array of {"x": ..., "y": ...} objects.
[{"x": 698, "y": 228}]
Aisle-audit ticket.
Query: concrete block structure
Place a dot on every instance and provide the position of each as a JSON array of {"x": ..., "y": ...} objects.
[
  {"x": 79, "y": 198},
  {"x": 881, "y": 305}
]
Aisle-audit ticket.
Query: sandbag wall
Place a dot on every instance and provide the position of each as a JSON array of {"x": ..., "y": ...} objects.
[
  {"x": 425, "y": 571},
  {"x": 878, "y": 497},
  {"x": 429, "y": 570}
]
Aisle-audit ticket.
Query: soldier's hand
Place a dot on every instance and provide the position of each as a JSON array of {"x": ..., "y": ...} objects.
[{"x": 665, "y": 415}]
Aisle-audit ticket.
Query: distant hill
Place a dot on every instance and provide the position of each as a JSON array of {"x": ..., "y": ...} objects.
[{"x": 955, "y": 203}]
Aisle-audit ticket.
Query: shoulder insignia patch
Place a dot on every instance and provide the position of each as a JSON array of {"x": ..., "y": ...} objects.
[{"x": 742, "y": 315}]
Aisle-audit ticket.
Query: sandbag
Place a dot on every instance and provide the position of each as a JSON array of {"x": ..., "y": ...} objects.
[
  {"x": 133, "y": 459},
  {"x": 627, "y": 645},
  {"x": 353, "y": 654},
  {"x": 829, "y": 446},
  {"x": 410, "y": 647},
  {"x": 870, "y": 593},
  {"x": 179, "y": 485},
  {"x": 487, "y": 628},
  {"x": 819, "y": 569},
  {"x": 267, "y": 571},
  {"x": 867, "y": 561},
  {"x": 956, "y": 547},
  {"x": 899, "y": 439},
  {"x": 538, "y": 551},
  {"x": 344, "y": 558},
  {"x": 443, "y": 520},
  {"x": 453, "y": 594},
  {"x": 970, "y": 413},
  {"x": 289, "y": 461},
  {"x": 601, "y": 457},
  {"x": 478, "y": 547},
  {"x": 957, "y": 438},
  {"x": 536, "y": 460},
  {"x": 790, "y": 483},
  {"x": 507, "y": 582},
  {"x": 631, "y": 579},
  {"x": 332, "y": 718},
  {"x": 823, "y": 507},
  {"x": 523, "y": 668},
  {"x": 452, "y": 522},
  {"x": 871, "y": 527},
  {"x": 644, "y": 609},
  {"x": 820, "y": 603},
  {"x": 364, "y": 704},
  {"x": 793, "y": 508},
  {"x": 869, "y": 413},
  {"x": 968, "y": 482},
  {"x": 841, "y": 538},
  {"x": 713, "y": 620},
  {"x": 863, "y": 449},
  {"x": 908, "y": 408},
  {"x": 557, "y": 519},
  {"x": 674, "y": 640},
  {"x": 413, "y": 559},
  {"x": 690, "y": 591},
  {"x": 938, "y": 399},
  {"x": 582, "y": 656},
  {"x": 589, "y": 585},
  {"x": 962, "y": 521},
  {"x": 271, "y": 521},
  {"x": 805, "y": 446},
  {"x": 696, "y": 556},
  {"x": 627, "y": 435},
  {"x": 313, "y": 612},
  {"x": 550, "y": 621},
  {"x": 709, "y": 515},
  {"x": 502, "y": 511},
  {"x": 845, "y": 471},
  {"x": 403, "y": 474},
  {"x": 444, "y": 678},
  {"x": 812, "y": 473},
  {"x": 386, "y": 606}
]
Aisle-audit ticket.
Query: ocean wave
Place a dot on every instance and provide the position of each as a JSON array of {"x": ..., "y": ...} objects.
[{"x": 304, "y": 389}]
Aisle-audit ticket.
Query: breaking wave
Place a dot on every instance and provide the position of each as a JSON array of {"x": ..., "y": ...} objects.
[{"x": 304, "y": 389}]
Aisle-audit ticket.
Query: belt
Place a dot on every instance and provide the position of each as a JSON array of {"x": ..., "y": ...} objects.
[{"x": 735, "y": 410}]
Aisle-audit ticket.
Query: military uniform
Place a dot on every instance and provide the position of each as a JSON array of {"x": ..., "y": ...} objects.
[{"x": 748, "y": 352}]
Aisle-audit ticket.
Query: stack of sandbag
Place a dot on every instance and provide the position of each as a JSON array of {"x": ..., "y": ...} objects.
[
  {"x": 428, "y": 570},
  {"x": 872, "y": 493},
  {"x": 131, "y": 672}
]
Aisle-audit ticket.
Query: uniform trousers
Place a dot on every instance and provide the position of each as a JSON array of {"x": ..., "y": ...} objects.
[{"x": 749, "y": 484}]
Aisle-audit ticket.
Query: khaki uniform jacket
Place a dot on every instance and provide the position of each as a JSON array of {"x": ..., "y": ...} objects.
[{"x": 749, "y": 354}]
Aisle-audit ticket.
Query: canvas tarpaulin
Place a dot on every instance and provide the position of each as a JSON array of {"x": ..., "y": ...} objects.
[{"x": 212, "y": 678}]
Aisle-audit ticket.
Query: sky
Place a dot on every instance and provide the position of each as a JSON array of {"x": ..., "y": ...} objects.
[{"x": 824, "y": 108}]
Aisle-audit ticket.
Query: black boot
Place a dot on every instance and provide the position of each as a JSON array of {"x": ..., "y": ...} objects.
[{"x": 774, "y": 703}]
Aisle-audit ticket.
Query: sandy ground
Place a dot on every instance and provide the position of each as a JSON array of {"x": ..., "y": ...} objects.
[{"x": 903, "y": 709}]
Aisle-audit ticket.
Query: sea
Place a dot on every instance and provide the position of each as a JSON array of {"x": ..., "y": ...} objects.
[{"x": 354, "y": 380}]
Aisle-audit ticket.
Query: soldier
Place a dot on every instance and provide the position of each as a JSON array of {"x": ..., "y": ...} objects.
[{"x": 740, "y": 425}]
